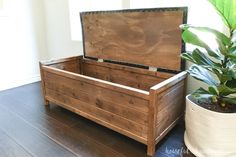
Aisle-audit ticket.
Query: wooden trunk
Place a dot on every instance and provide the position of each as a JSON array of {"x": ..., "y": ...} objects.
[{"x": 114, "y": 91}]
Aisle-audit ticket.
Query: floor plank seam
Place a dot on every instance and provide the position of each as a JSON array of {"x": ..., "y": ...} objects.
[
  {"x": 25, "y": 149},
  {"x": 43, "y": 132}
]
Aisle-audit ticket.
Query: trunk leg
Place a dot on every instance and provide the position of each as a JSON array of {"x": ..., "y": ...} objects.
[
  {"x": 46, "y": 102},
  {"x": 151, "y": 148},
  {"x": 151, "y": 143}
]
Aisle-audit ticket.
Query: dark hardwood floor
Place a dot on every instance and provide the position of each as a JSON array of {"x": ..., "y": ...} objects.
[{"x": 28, "y": 128}]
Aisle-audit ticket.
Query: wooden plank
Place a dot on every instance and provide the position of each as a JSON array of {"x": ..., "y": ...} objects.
[
  {"x": 9, "y": 148},
  {"x": 132, "y": 79},
  {"x": 170, "y": 107},
  {"x": 110, "y": 35},
  {"x": 46, "y": 102},
  {"x": 175, "y": 94},
  {"x": 104, "y": 84},
  {"x": 61, "y": 60},
  {"x": 129, "y": 69},
  {"x": 71, "y": 66},
  {"x": 115, "y": 122},
  {"x": 74, "y": 87},
  {"x": 94, "y": 119},
  {"x": 151, "y": 145},
  {"x": 168, "y": 129},
  {"x": 119, "y": 109},
  {"x": 170, "y": 82},
  {"x": 30, "y": 138}
]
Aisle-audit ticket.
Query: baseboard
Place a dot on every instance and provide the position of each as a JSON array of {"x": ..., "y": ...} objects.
[{"x": 17, "y": 83}]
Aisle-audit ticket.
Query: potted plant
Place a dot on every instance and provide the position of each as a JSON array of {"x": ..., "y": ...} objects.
[{"x": 211, "y": 112}]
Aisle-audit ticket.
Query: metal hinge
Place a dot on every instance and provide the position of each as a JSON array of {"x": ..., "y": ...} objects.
[
  {"x": 100, "y": 60},
  {"x": 152, "y": 68}
]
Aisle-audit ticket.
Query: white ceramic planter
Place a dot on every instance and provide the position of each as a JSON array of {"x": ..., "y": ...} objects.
[{"x": 208, "y": 133}]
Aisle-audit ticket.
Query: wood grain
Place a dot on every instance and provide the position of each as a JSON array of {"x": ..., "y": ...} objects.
[
  {"x": 61, "y": 60},
  {"x": 46, "y": 102},
  {"x": 153, "y": 105},
  {"x": 110, "y": 106},
  {"x": 137, "y": 115},
  {"x": 120, "y": 76},
  {"x": 132, "y": 36},
  {"x": 101, "y": 83},
  {"x": 166, "y": 108},
  {"x": 77, "y": 88},
  {"x": 53, "y": 125},
  {"x": 110, "y": 120},
  {"x": 169, "y": 110},
  {"x": 162, "y": 75},
  {"x": 39, "y": 144}
]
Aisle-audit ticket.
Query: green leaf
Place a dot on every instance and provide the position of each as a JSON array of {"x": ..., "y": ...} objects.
[
  {"x": 231, "y": 55},
  {"x": 218, "y": 73},
  {"x": 201, "y": 93},
  {"x": 188, "y": 56},
  {"x": 212, "y": 90},
  {"x": 232, "y": 50},
  {"x": 230, "y": 100},
  {"x": 219, "y": 36},
  {"x": 196, "y": 37},
  {"x": 227, "y": 74},
  {"x": 225, "y": 90},
  {"x": 231, "y": 83},
  {"x": 202, "y": 74},
  {"x": 201, "y": 59},
  {"x": 226, "y": 8},
  {"x": 198, "y": 57}
]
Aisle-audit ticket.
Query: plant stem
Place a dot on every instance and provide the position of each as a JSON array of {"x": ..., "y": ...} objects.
[{"x": 225, "y": 62}]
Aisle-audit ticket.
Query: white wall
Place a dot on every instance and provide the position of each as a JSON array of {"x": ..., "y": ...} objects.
[
  {"x": 22, "y": 42},
  {"x": 59, "y": 41}
]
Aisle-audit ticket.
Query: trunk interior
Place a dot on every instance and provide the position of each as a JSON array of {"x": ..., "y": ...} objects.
[{"x": 142, "y": 79}]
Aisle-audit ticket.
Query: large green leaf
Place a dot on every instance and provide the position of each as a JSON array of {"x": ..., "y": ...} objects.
[
  {"x": 219, "y": 36},
  {"x": 202, "y": 74},
  {"x": 227, "y": 10},
  {"x": 197, "y": 37},
  {"x": 201, "y": 59}
]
